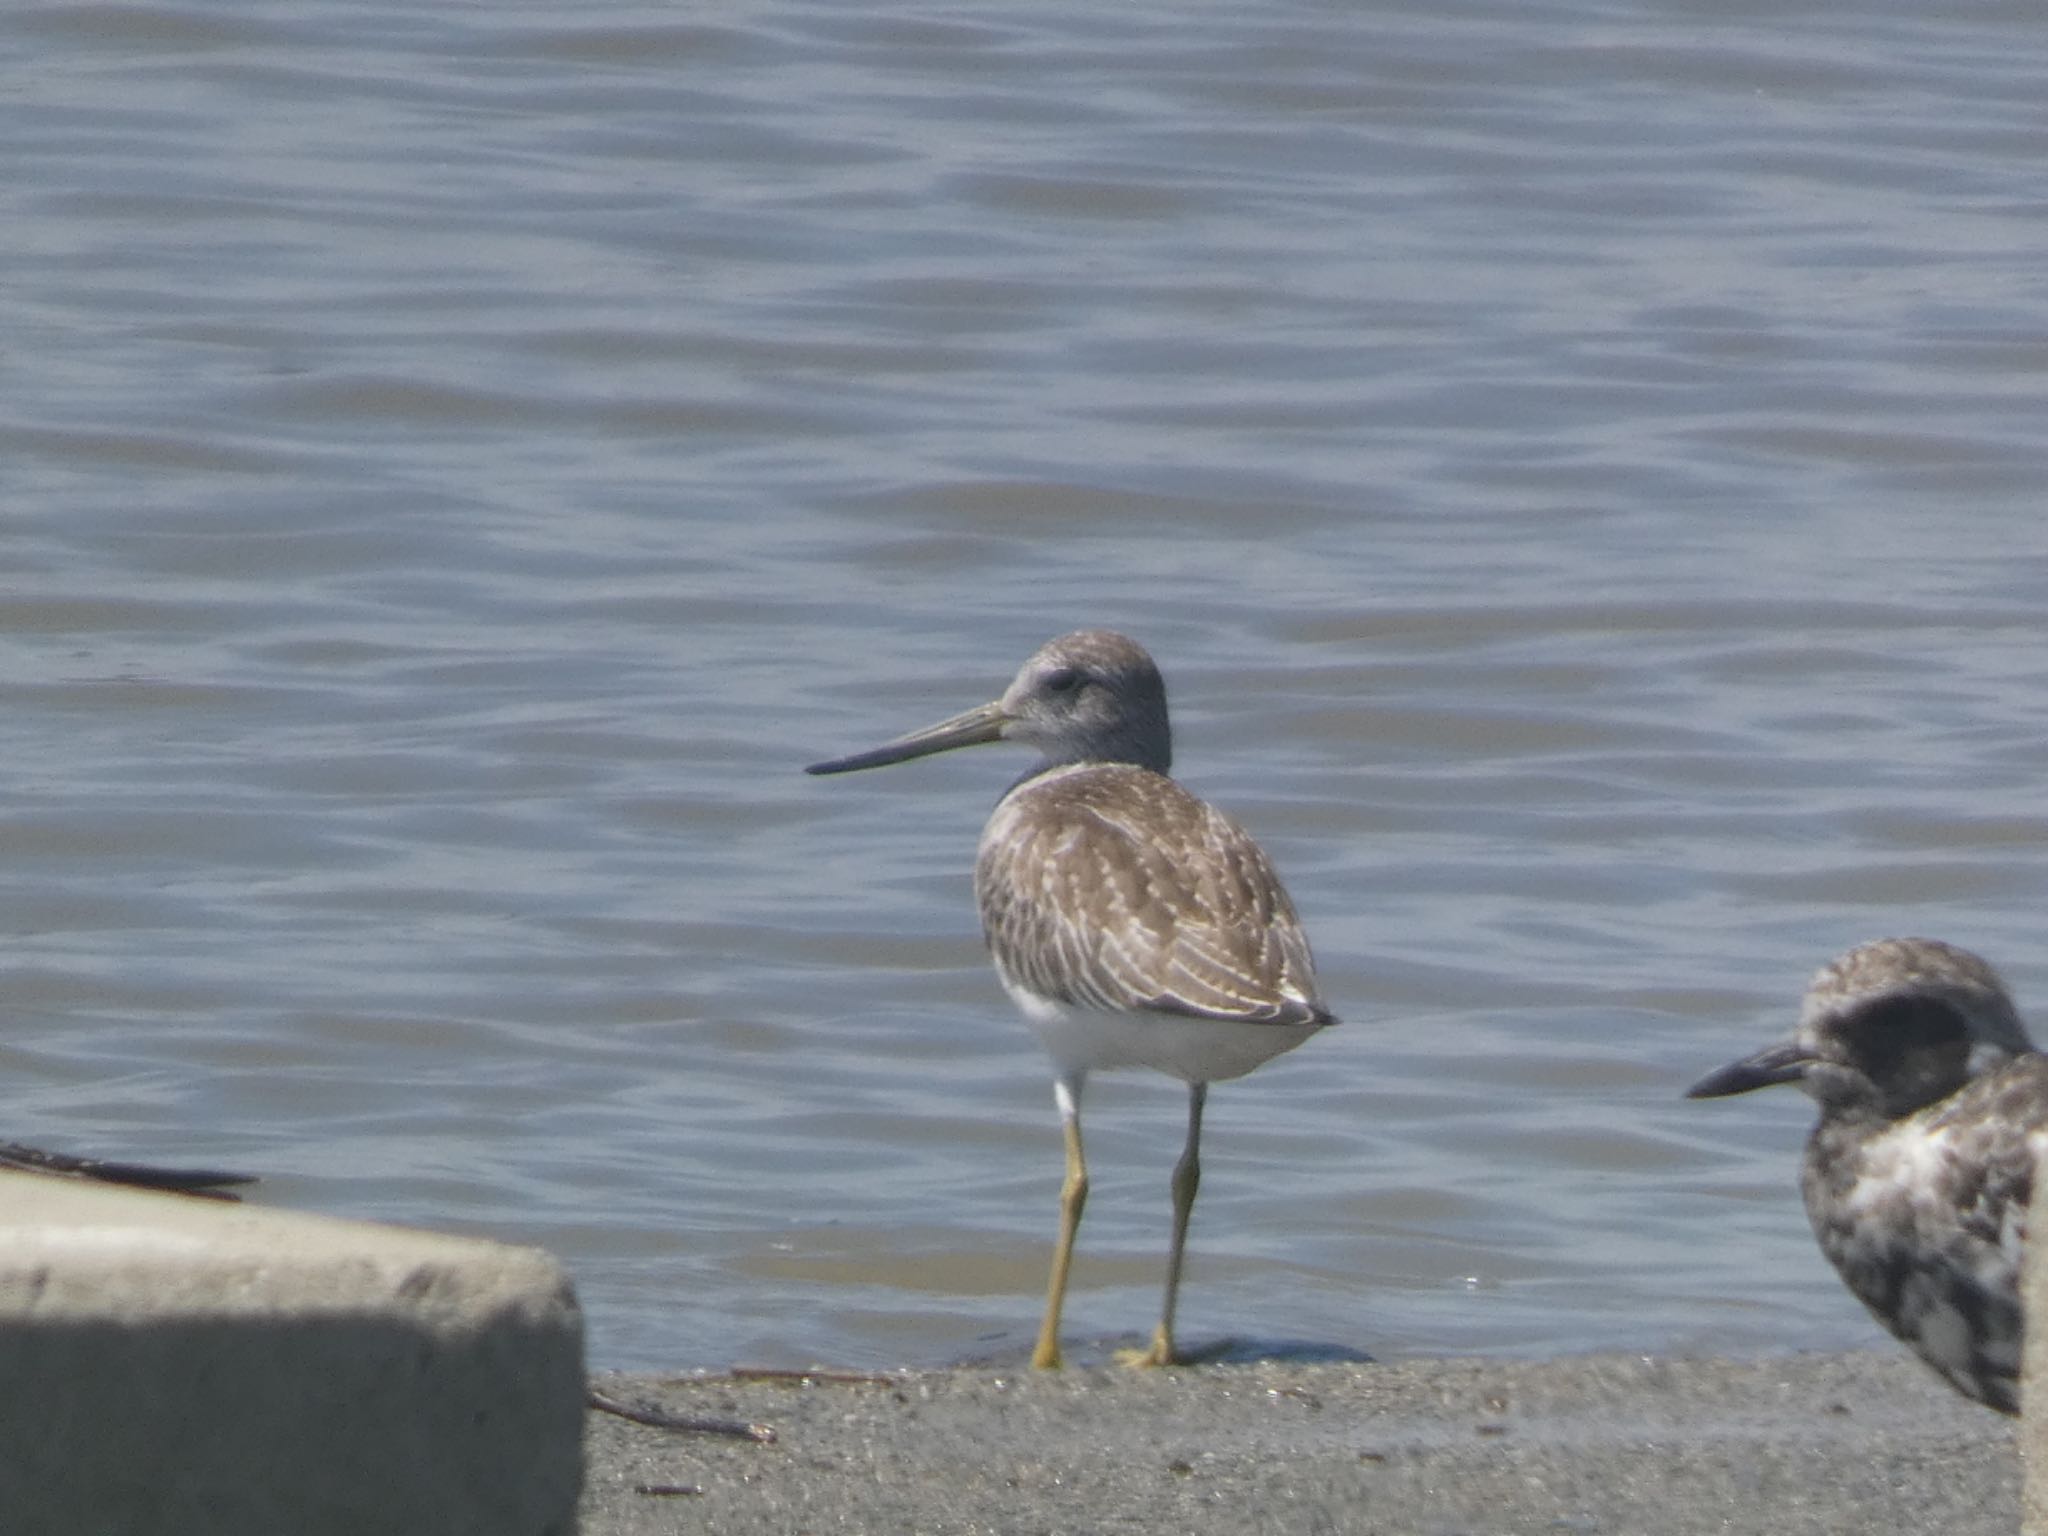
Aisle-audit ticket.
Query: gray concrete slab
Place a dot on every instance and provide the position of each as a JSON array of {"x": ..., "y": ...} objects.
[
  {"x": 2034, "y": 1369},
  {"x": 175, "y": 1365}
]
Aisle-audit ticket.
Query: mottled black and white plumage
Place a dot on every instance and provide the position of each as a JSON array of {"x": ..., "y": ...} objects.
[
  {"x": 1933, "y": 1107},
  {"x": 205, "y": 1182},
  {"x": 1132, "y": 923}
]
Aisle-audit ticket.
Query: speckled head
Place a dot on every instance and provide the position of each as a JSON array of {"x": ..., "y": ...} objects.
[
  {"x": 1092, "y": 696},
  {"x": 1891, "y": 1027}
]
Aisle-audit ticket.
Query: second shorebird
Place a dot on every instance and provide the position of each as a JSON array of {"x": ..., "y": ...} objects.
[
  {"x": 1132, "y": 923},
  {"x": 207, "y": 1183},
  {"x": 1933, "y": 1108}
]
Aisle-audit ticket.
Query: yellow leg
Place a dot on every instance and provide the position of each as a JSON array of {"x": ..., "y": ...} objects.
[
  {"x": 1187, "y": 1178},
  {"x": 1073, "y": 1197}
]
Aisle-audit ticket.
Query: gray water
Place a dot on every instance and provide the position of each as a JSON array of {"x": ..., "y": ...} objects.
[{"x": 1579, "y": 466}]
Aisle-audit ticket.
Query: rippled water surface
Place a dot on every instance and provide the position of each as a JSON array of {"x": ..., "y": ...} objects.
[{"x": 1579, "y": 465}]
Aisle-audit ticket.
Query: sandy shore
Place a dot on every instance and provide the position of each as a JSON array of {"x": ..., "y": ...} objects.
[{"x": 1856, "y": 1443}]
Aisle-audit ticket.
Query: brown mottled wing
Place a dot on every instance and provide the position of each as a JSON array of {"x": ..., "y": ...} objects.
[{"x": 1112, "y": 887}]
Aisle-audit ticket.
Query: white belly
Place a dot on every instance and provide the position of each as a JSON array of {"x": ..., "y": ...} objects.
[{"x": 1081, "y": 1040}]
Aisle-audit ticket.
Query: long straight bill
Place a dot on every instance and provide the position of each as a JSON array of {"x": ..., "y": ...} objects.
[{"x": 972, "y": 729}]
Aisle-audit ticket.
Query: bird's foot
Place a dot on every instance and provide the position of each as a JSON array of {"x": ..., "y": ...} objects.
[{"x": 1159, "y": 1352}]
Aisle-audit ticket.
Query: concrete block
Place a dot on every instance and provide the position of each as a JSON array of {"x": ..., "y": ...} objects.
[
  {"x": 170, "y": 1365},
  {"x": 2033, "y": 1430}
]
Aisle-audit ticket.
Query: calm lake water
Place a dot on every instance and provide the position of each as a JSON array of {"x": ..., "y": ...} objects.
[{"x": 1580, "y": 466}]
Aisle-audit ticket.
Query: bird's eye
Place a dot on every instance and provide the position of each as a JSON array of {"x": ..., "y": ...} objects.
[{"x": 1063, "y": 680}]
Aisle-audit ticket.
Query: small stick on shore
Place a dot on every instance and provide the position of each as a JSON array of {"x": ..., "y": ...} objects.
[{"x": 655, "y": 1418}]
